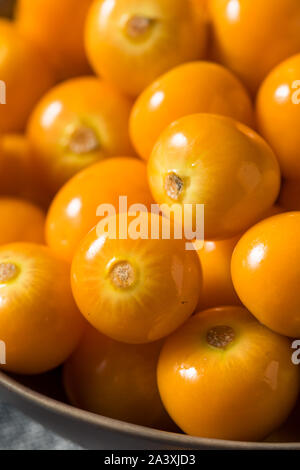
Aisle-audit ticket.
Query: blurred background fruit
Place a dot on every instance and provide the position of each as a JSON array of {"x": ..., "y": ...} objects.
[
  {"x": 253, "y": 36},
  {"x": 132, "y": 42},
  {"x": 215, "y": 161},
  {"x": 21, "y": 221},
  {"x": 57, "y": 28}
]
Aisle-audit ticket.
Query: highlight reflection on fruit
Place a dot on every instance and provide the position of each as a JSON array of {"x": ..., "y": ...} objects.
[
  {"x": 265, "y": 272},
  {"x": 211, "y": 89},
  {"x": 74, "y": 210},
  {"x": 132, "y": 42},
  {"x": 135, "y": 290},
  {"x": 215, "y": 161},
  {"x": 223, "y": 375},
  {"x": 117, "y": 380},
  {"x": 39, "y": 322},
  {"x": 76, "y": 124}
]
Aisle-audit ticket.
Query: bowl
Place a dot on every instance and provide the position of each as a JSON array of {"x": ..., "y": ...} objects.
[{"x": 42, "y": 398}]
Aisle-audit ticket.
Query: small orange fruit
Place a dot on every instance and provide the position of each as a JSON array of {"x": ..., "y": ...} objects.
[
  {"x": 223, "y": 375},
  {"x": 117, "y": 380},
  {"x": 57, "y": 27},
  {"x": 39, "y": 322},
  {"x": 135, "y": 289},
  {"x": 25, "y": 76},
  {"x": 278, "y": 114},
  {"x": 211, "y": 89},
  {"x": 21, "y": 221},
  {"x": 74, "y": 209},
  {"x": 253, "y": 36},
  {"x": 78, "y": 123},
  {"x": 222, "y": 164},
  {"x": 132, "y": 42},
  {"x": 265, "y": 272}
]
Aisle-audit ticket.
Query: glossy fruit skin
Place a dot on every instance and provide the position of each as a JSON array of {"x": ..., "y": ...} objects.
[
  {"x": 21, "y": 221},
  {"x": 57, "y": 28},
  {"x": 211, "y": 89},
  {"x": 164, "y": 292},
  {"x": 236, "y": 175},
  {"x": 18, "y": 174},
  {"x": 215, "y": 259},
  {"x": 39, "y": 321},
  {"x": 242, "y": 392},
  {"x": 253, "y": 36},
  {"x": 289, "y": 198},
  {"x": 278, "y": 113},
  {"x": 73, "y": 210},
  {"x": 265, "y": 272},
  {"x": 82, "y": 102},
  {"x": 116, "y": 380},
  {"x": 27, "y": 77},
  {"x": 176, "y": 35}
]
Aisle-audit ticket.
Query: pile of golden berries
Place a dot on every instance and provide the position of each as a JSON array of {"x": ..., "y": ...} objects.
[{"x": 136, "y": 109}]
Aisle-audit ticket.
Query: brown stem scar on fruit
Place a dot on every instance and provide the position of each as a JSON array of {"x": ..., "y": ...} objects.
[
  {"x": 122, "y": 275},
  {"x": 138, "y": 25},
  {"x": 173, "y": 186},
  {"x": 8, "y": 271},
  {"x": 83, "y": 140},
  {"x": 220, "y": 336}
]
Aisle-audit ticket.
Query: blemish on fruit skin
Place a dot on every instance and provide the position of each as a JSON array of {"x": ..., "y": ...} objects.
[{"x": 271, "y": 375}]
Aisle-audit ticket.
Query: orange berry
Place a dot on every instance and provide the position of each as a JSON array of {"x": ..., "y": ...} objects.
[
  {"x": 211, "y": 89},
  {"x": 135, "y": 290},
  {"x": 26, "y": 76},
  {"x": 20, "y": 221},
  {"x": 57, "y": 27},
  {"x": 132, "y": 42},
  {"x": 116, "y": 380},
  {"x": 215, "y": 161},
  {"x": 253, "y": 36},
  {"x": 76, "y": 124},
  {"x": 225, "y": 376},
  {"x": 278, "y": 114},
  {"x": 265, "y": 272},
  {"x": 39, "y": 322}
]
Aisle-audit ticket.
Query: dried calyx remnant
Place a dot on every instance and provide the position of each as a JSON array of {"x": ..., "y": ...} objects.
[
  {"x": 83, "y": 140},
  {"x": 8, "y": 271},
  {"x": 174, "y": 186},
  {"x": 122, "y": 275},
  {"x": 137, "y": 26},
  {"x": 220, "y": 336}
]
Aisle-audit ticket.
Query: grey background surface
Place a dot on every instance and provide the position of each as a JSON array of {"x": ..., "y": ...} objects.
[{"x": 17, "y": 432}]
